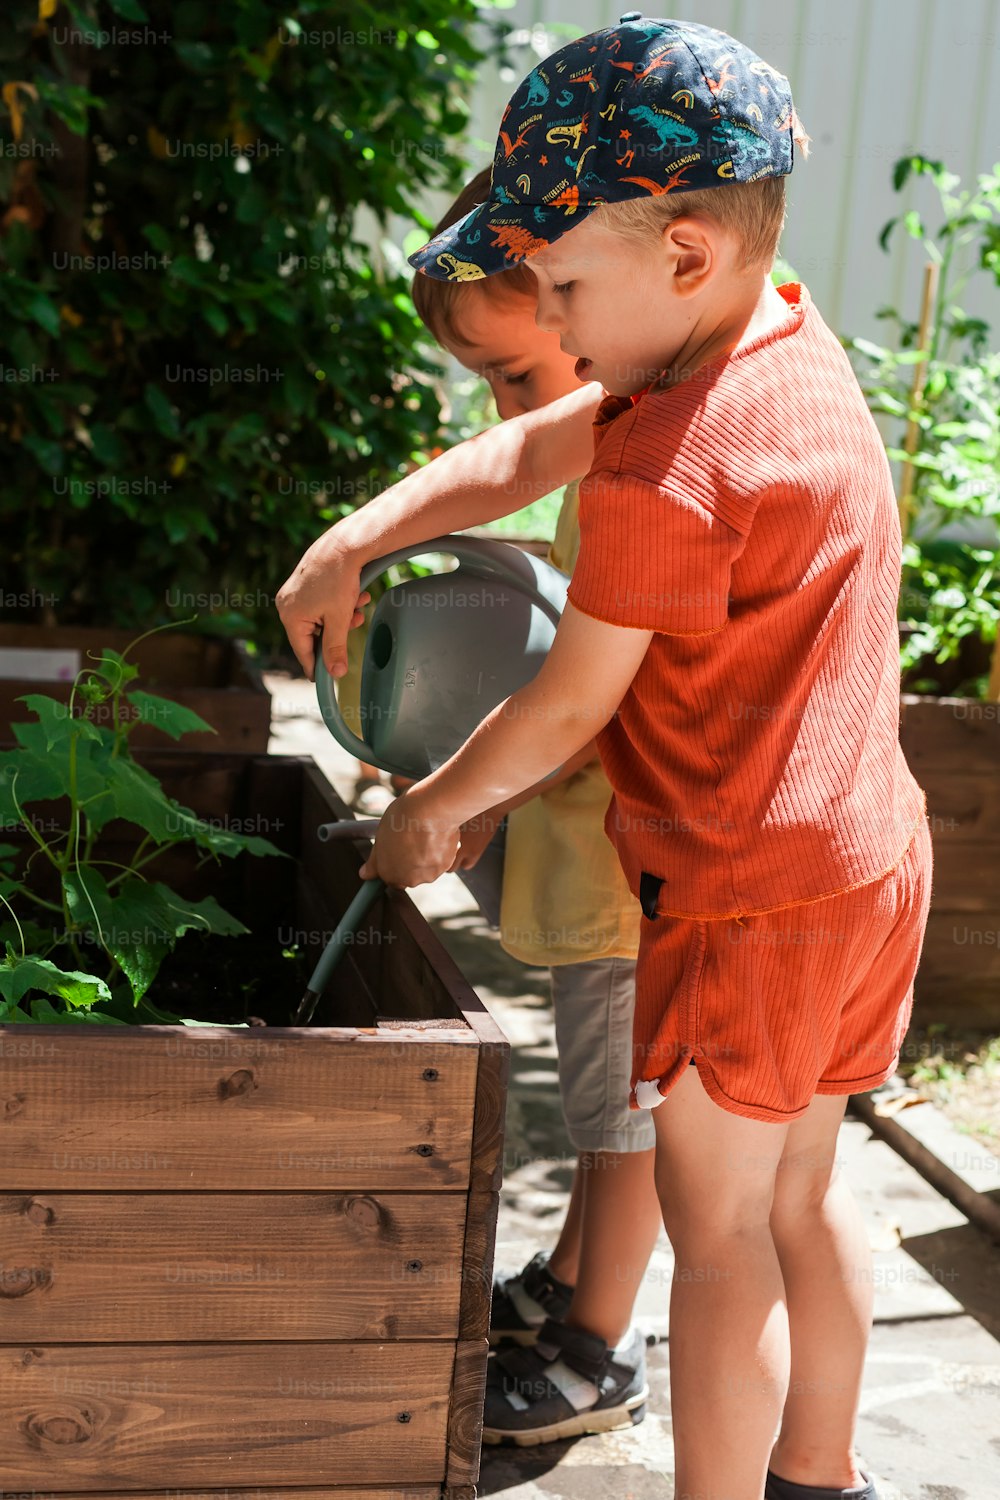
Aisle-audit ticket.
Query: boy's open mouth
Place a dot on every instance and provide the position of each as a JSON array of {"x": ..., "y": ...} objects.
[{"x": 581, "y": 367}]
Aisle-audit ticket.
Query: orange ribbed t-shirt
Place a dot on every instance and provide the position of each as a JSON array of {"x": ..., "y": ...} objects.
[{"x": 747, "y": 516}]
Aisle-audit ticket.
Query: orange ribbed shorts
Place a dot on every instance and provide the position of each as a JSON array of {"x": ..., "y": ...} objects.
[{"x": 772, "y": 1009}]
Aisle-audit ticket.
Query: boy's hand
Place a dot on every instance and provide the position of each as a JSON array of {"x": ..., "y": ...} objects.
[
  {"x": 412, "y": 846},
  {"x": 322, "y": 595},
  {"x": 475, "y": 835}
]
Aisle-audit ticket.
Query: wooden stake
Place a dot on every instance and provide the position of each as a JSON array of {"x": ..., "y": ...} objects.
[
  {"x": 993, "y": 687},
  {"x": 916, "y": 394}
]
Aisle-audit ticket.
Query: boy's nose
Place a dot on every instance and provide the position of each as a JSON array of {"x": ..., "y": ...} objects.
[
  {"x": 547, "y": 315},
  {"x": 508, "y": 402}
]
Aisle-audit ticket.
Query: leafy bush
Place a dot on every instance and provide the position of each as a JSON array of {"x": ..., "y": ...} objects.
[
  {"x": 950, "y": 600},
  {"x": 204, "y": 348},
  {"x": 99, "y": 929}
]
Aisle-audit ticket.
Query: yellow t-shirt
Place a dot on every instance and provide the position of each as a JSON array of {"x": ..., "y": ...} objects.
[{"x": 564, "y": 898}]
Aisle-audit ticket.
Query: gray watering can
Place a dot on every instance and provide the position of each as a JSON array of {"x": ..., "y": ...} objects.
[
  {"x": 441, "y": 653},
  {"x": 444, "y": 650}
]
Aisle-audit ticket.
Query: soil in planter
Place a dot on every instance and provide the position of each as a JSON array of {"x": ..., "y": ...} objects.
[{"x": 232, "y": 981}]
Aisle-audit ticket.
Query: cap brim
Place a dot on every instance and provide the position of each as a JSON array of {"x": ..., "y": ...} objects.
[{"x": 496, "y": 236}]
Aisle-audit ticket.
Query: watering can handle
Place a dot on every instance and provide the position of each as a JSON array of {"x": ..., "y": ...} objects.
[{"x": 481, "y": 552}]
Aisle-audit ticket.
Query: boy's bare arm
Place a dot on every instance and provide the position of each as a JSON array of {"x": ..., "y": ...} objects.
[
  {"x": 491, "y": 475},
  {"x": 478, "y": 831},
  {"x": 580, "y": 685}
]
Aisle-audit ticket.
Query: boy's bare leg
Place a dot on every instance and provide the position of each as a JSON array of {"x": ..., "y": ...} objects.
[
  {"x": 619, "y": 1222},
  {"x": 729, "y": 1342},
  {"x": 826, "y": 1265},
  {"x": 564, "y": 1262}
]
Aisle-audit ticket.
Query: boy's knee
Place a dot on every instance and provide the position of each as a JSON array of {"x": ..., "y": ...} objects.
[
  {"x": 712, "y": 1214},
  {"x": 800, "y": 1193}
]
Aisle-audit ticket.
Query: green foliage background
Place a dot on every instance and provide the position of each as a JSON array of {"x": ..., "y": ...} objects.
[{"x": 181, "y": 194}]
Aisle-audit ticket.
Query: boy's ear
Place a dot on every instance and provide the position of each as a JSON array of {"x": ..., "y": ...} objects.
[{"x": 695, "y": 246}]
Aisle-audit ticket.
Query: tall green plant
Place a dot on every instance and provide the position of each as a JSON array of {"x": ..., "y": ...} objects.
[
  {"x": 84, "y": 934},
  {"x": 950, "y": 600},
  {"x": 204, "y": 345}
]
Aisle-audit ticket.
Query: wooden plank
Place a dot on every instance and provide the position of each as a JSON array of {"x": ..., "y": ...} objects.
[
  {"x": 969, "y": 1004},
  {"x": 292, "y": 1109},
  {"x": 959, "y": 976},
  {"x": 300, "y": 1492},
  {"x": 485, "y": 1180},
  {"x": 963, "y": 807},
  {"x": 169, "y": 656},
  {"x": 204, "y": 673},
  {"x": 477, "y": 1264},
  {"x": 438, "y": 961},
  {"x": 208, "y": 1415},
  {"x": 465, "y": 1418},
  {"x": 967, "y": 880},
  {"x": 491, "y": 1109},
  {"x": 123, "y": 1267},
  {"x": 240, "y": 716},
  {"x": 953, "y": 734}
]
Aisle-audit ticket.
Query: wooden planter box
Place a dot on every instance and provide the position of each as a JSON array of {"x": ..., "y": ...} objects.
[
  {"x": 213, "y": 677},
  {"x": 257, "y": 1259},
  {"x": 953, "y": 748}
]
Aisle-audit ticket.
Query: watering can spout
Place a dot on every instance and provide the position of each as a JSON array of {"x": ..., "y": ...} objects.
[{"x": 443, "y": 651}]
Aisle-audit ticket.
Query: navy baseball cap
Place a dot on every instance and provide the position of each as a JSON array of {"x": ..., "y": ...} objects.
[{"x": 637, "y": 109}]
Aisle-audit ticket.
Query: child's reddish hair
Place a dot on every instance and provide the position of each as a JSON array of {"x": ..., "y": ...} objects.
[{"x": 439, "y": 304}]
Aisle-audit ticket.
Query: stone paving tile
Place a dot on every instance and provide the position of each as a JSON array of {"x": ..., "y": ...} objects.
[{"x": 929, "y": 1426}]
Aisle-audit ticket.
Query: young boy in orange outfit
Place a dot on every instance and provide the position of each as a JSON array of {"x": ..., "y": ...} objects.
[{"x": 731, "y": 634}]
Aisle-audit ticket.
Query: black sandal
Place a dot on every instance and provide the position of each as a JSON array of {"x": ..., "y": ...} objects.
[{"x": 776, "y": 1488}]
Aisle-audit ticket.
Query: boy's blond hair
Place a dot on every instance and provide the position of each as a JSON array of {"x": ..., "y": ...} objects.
[{"x": 753, "y": 211}]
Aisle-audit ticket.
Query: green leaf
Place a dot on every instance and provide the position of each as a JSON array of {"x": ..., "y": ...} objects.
[
  {"x": 26, "y": 777},
  {"x": 130, "y": 9},
  {"x": 49, "y": 454},
  {"x": 140, "y": 921},
  {"x": 128, "y": 791},
  {"x": 173, "y": 718},
  {"x": 111, "y": 667},
  {"x": 874, "y": 351},
  {"x": 43, "y": 311},
  {"x": 883, "y": 238},
  {"x": 43, "y": 1011},
  {"x": 106, "y": 445},
  {"x": 215, "y": 317},
  {"x": 20, "y": 975},
  {"x": 253, "y": 204},
  {"x": 901, "y": 171},
  {"x": 58, "y": 725},
  {"x": 11, "y": 1013},
  {"x": 198, "y": 55},
  {"x": 162, "y": 412},
  {"x": 157, "y": 237}
]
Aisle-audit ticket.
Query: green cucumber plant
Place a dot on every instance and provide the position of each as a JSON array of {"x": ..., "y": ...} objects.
[
  {"x": 950, "y": 599},
  {"x": 84, "y": 935}
]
